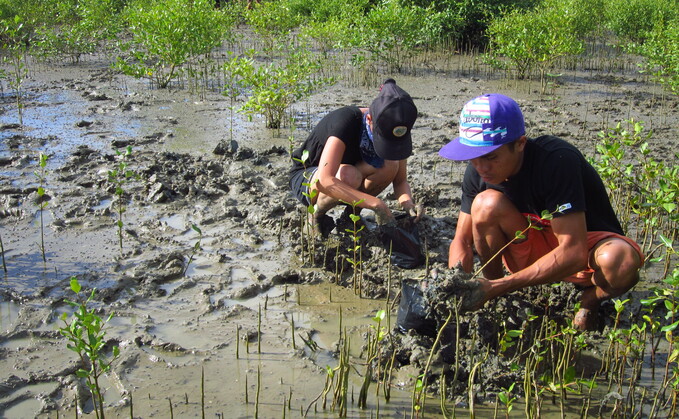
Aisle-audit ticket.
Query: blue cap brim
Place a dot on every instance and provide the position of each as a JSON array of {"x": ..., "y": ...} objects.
[{"x": 454, "y": 150}]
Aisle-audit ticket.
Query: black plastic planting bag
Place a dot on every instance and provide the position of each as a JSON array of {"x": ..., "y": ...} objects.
[
  {"x": 403, "y": 240},
  {"x": 412, "y": 310}
]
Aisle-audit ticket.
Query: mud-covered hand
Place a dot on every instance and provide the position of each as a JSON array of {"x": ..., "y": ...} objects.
[
  {"x": 415, "y": 210},
  {"x": 383, "y": 216}
]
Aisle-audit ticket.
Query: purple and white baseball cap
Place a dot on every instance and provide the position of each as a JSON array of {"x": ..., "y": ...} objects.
[{"x": 486, "y": 123}]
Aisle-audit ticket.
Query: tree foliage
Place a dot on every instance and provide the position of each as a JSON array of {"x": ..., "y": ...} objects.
[{"x": 166, "y": 34}]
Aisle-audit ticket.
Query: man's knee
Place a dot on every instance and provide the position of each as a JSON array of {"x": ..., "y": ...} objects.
[
  {"x": 488, "y": 205},
  {"x": 616, "y": 264}
]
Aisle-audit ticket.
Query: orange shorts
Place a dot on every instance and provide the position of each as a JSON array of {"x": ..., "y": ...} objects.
[{"x": 540, "y": 242}]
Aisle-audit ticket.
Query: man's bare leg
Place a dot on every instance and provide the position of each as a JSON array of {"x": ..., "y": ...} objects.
[
  {"x": 495, "y": 222},
  {"x": 616, "y": 267}
]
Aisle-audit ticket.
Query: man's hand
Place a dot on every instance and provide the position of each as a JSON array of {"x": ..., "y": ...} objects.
[
  {"x": 383, "y": 215},
  {"x": 416, "y": 210}
]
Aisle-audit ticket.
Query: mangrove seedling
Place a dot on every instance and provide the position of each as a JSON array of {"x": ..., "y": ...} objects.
[
  {"x": 505, "y": 396},
  {"x": 375, "y": 336},
  {"x": 2, "y": 253},
  {"x": 355, "y": 249},
  {"x": 86, "y": 336},
  {"x": 14, "y": 38},
  {"x": 310, "y": 209},
  {"x": 196, "y": 247},
  {"x": 119, "y": 177},
  {"x": 42, "y": 199}
]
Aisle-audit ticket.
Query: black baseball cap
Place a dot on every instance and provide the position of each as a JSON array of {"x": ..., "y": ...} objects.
[{"x": 393, "y": 116}]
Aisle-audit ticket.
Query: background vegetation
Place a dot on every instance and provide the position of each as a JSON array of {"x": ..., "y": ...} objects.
[{"x": 176, "y": 42}]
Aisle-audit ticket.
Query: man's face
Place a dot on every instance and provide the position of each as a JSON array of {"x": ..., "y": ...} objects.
[{"x": 498, "y": 165}]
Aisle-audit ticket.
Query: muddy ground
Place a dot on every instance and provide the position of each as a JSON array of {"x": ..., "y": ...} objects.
[{"x": 176, "y": 320}]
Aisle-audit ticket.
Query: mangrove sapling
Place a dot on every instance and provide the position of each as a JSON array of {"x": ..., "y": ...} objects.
[
  {"x": 41, "y": 174},
  {"x": 355, "y": 249},
  {"x": 196, "y": 247},
  {"x": 274, "y": 87},
  {"x": 375, "y": 336},
  {"x": 310, "y": 209},
  {"x": 167, "y": 34},
  {"x": 534, "y": 38},
  {"x": 259, "y": 329},
  {"x": 421, "y": 384},
  {"x": 15, "y": 40},
  {"x": 507, "y": 399},
  {"x": 2, "y": 253},
  {"x": 233, "y": 71},
  {"x": 86, "y": 336},
  {"x": 119, "y": 177},
  {"x": 202, "y": 391}
]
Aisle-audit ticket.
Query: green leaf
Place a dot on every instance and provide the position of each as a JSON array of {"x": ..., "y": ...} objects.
[
  {"x": 666, "y": 241},
  {"x": 75, "y": 285}
]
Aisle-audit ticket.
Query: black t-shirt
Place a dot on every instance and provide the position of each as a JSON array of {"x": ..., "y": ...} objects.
[
  {"x": 554, "y": 173},
  {"x": 344, "y": 123}
]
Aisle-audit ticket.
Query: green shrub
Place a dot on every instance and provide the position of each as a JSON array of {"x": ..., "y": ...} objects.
[
  {"x": 79, "y": 28},
  {"x": 661, "y": 54},
  {"x": 274, "y": 86},
  {"x": 391, "y": 33},
  {"x": 166, "y": 34},
  {"x": 535, "y": 38},
  {"x": 328, "y": 35},
  {"x": 633, "y": 20},
  {"x": 324, "y": 10},
  {"x": 272, "y": 20},
  {"x": 466, "y": 21}
]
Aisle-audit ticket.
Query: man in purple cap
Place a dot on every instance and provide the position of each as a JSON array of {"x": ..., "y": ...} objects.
[
  {"x": 510, "y": 180},
  {"x": 354, "y": 153}
]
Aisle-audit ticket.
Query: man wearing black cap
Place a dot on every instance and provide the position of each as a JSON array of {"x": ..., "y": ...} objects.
[
  {"x": 510, "y": 180},
  {"x": 354, "y": 153}
]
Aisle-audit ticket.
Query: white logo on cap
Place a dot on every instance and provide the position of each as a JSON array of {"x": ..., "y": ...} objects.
[{"x": 399, "y": 131}]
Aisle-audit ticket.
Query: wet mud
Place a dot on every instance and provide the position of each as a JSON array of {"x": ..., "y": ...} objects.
[{"x": 230, "y": 317}]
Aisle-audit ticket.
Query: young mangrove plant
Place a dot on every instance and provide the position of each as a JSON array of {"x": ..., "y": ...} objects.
[
  {"x": 233, "y": 71},
  {"x": 41, "y": 174},
  {"x": 355, "y": 253},
  {"x": 86, "y": 337},
  {"x": 196, "y": 247},
  {"x": 644, "y": 191},
  {"x": 661, "y": 54},
  {"x": 119, "y": 178},
  {"x": 166, "y": 34},
  {"x": 307, "y": 223},
  {"x": 14, "y": 37},
  {"x": 507, "y": 399},
  {"x": 77, "y": 28},
  {"x": 275, "y": 86},
  {"x": 375, "y": 335},
  {"x": 391, "y": 33},
  {"x": 2, "y": 253},
  {"x": 534, "y": 38}
]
